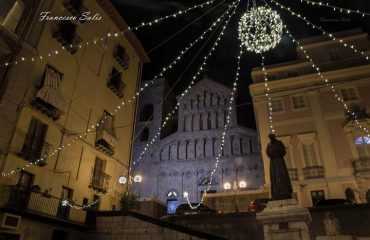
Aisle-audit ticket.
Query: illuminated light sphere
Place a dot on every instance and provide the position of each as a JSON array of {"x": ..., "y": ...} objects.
[
  {"x": 186, "y": 194},
  {"x": 227, "y": 186},
  {"x": 260, "y": 29},
  {"x": 242, "y": 184},
  {"x": 122, "y": 180},
  {"x": 137, "y": 178}
]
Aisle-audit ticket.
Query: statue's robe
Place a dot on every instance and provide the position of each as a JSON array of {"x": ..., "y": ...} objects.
[{"x": 281, "y": 187}]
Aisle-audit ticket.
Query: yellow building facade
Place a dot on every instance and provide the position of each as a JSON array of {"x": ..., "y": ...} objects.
[
  {"x": 327, "y": 152},
  {"x": 75, "y": 74}
]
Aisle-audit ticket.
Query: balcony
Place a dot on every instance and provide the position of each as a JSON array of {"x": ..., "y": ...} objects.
[
  {"x": 73, "y": 6},
  {"x": 121, "y": 56},
  {"x": 312, "y": 172},
  {"x": 361, "y": 165},
  {"x": 116, "y": 84},
  {"x": 43, "y": 205},
  {"x": 35, "y": 151},
  {"x": 105, "y": 142},
  {"x": 293, "y": 174},
  {"x": 66, "y": 35},
  {"x": 99, "y": 181}
]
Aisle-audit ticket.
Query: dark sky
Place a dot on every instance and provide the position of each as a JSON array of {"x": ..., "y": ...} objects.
[{"x": 222, "y": 64}]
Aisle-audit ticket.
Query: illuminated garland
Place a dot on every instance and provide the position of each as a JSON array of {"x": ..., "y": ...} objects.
[
  {"x": 335, "y": 8},
  {"x": 260, "y": 29},
  {"x": 267, "y": 92},
  {"x": 232, "y": 97}
]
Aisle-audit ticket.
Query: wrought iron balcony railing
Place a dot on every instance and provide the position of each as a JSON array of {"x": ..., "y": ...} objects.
[
  {"x": 99, "y": 181},
  {"x": 361, "y": 165},
  {"x": 35, "y": 149},
  {"x": 121, "y": 56},
  {"x": 73, "y": 6},
  {"x": 43, "y": 204},
  {"x": 66, "y": 35},
  {"x": 116, "y": 84},
  {"x": 105, "y": 141},
  {"x": 314, "y": 172},
  {"x": 293, "y": 174}
]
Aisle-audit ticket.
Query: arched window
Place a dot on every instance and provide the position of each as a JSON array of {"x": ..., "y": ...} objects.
[
  {"x": 144, "y": 135},
  {"x": 350, "y": 195},
  {"x": 207, "y": 180},
  {"x": 147, "y": 113}
]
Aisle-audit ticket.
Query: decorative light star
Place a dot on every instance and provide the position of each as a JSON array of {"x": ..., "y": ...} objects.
[{"x": 260, "y": 29}]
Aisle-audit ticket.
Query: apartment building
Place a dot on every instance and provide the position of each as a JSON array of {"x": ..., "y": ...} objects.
[{"x": 327, "y": 151}]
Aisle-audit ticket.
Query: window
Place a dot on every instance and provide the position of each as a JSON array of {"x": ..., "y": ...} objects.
[
  {"x": 115, "y": 82},
  {"x": 349, "y": 94},
  {"x": 309, "y": 154},
  {"x": 362, "y": 144},
  {"x": 63, "y": 211},
  {"x": 277, "y": 105},
  {"x": 317, "y": 196},
  {"x": 34, "y": 146},
  {"x": 144, "y": 135},
  {"x": 100, "y": 180},
  {"x": 11, "y": 12},
  {"x": 107, "y": 121},
  {"x": 121, "y": 56},
  {"x": 147, "y": 113},
  {"x": 350, "y": 195},
  {"x": 298, "y": 102}
]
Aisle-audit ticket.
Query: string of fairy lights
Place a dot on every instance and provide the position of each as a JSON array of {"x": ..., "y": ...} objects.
[
  {"x": 335, "y": 8},
  {"x": 331, "y": 36},
  {"x": 254, "y": 37},
  {"x": 196, "y": 75},
  {"x": 123, "y": 103},
  {"x": 327, "y": 82},
  {"x": 217, "y": 160},
  {"x": 96, "y": 40}
]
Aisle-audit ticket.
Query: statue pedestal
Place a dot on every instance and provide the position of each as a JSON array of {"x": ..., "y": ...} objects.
[{"x": 285, "y": 220}]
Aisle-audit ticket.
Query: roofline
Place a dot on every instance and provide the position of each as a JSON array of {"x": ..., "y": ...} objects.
[{"x": 121, "y": 24}]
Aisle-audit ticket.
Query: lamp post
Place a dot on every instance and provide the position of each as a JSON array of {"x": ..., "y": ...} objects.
[
  {"x": 236, "y": 187},
  {"x": 182, "y": 186}
]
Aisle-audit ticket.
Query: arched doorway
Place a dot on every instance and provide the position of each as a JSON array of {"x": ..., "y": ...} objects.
[{"x": 350, "y": 195}]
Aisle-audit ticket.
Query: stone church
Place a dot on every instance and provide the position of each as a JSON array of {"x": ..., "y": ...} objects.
[{"x": 181, "y": 160}]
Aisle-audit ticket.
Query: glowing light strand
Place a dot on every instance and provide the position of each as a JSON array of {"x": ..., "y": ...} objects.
[
  {"x": 331, "y": 36},
  {"x": 327, "y": 83},
  {"x": 231, "y": 100},
  {"x": 66, "y": 203},
  {"x": 267, "y": 94},
  {"x": 200, "y": 70},
  {"x": 335, "y": 8},
  {"x": 123, "y": 103}
]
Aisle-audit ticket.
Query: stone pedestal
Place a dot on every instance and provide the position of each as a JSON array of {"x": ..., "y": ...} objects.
[{"x": 285, "y": 220}]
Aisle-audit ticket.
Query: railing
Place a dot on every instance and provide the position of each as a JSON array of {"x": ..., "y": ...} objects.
[
  {"x": 66, "y": 35},
  {"x": 99, "y": 181},
  {"x": 36, "y": 150},
  {"x": 43, "y": 204},
  {"x": 105, "y": 141},
  {"x": 121, "y": 56},
  {"x": 116, "y": 84},
  {"x": 293, "y": 174},
  {"x": 314, "y": 172},
  {"x": 74, "y": 6},
  {"x": 361, "y": 165}
]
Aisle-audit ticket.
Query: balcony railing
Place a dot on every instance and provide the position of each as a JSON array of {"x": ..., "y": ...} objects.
[
  {"x": 293, "y": 174},
  {"x": 121, "y": 56},
  {"x": 105, "y": 141},
  {"x": 116, "y": 84},
  {"x": 99, "y": 181},
  {"x": 35, "y": 149},
  {"x": 361, "y": 165},
  {"x": 43, "y": 204},
  {"x": 73, "y": 6},
  {"x": 314, "y": 172},
  {"x": 66, "y": 35}
]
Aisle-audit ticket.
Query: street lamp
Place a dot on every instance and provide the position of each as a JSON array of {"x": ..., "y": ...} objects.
[
  {"x": 227, "y": 186},
  {"x": 242, "y": 184}
]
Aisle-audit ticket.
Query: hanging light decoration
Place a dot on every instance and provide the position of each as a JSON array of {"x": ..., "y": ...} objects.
[{"x": 260, "y": 29}]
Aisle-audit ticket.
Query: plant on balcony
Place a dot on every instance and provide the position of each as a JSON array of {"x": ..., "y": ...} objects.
[
  {"x": 47, "y": 193},
  {"x": 129, "y": 200}
]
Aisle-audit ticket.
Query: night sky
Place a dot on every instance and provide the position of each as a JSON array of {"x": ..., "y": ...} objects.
[{"x": 222, "y": 64}]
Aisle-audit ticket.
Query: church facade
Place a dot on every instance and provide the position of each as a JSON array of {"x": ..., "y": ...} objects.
[{"x": 182, "y": 161}]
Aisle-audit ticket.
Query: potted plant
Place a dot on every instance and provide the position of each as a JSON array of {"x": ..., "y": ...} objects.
[{"x": 129, "y": 200}]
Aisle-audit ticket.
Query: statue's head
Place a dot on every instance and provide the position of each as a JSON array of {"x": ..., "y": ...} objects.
[{"x": 272, "y": 136}]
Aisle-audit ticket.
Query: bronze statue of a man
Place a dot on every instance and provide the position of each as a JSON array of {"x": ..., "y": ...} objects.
[{"x": 281, "y": 187}]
